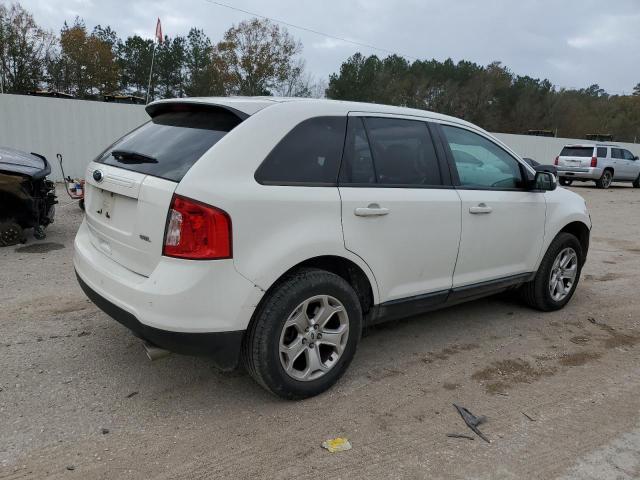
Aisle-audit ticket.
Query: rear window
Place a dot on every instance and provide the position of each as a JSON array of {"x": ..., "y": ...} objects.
[
  {"x": 170, "y": 143},
  {"x": 577, "y": 152}
]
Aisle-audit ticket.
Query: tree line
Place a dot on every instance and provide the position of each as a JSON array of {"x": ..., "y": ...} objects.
[
  {"x": 255, "y": 57},
  {"x": 490, "y": 96},
  {"x": 259, "y": 57}
]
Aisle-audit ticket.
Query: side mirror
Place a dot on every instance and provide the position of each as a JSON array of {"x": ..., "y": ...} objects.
[
  {"x": 545, "y": 181},
  {"x": 636, "y": 157}
]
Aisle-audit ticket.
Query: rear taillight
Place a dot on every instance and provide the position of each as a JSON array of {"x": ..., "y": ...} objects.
[
  {"x": 556, "y": 160},
  {"x": 196, "y": 231},
  {"x": 594, "y": 161}
]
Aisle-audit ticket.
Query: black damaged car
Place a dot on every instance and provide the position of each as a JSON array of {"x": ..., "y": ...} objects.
[{"x": 27, "y": 198}]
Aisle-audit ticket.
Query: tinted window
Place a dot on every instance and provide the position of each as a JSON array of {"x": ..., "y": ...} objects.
[
  {"x": 602, "y": 152},
  {"x": 628, "y": 155},
  {"x": 480, "y": 162},
  {"x": 170, "y": 143},
  {"x": 616, "y": 153},
  {"x": 357, "y": 166},
  {"x": 310, "y": 153},
  {"x": 577, "y": 152},
  {"x": 403, "y": 152}
]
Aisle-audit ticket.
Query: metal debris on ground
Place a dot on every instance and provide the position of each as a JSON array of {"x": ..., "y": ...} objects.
[
  {"x": 529, "y": 417},
  {"x": 132, "y": 394},
  {"x": 472, "y": 421},
  {"x": 459, "y": 435},
  {"x": 339, "y": 444}
]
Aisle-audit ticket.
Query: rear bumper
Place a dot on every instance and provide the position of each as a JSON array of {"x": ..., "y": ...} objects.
[
  {"x": 580, "y": 173},
  {"x": 186, "y": 306},
  {"x": 222, "y": 347}
]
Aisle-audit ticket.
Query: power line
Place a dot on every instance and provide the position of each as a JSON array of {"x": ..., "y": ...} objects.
[{"x": 311, "y": 30}]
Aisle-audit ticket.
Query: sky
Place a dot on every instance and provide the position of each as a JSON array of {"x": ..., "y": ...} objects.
[{"x": 573, "y": 43}]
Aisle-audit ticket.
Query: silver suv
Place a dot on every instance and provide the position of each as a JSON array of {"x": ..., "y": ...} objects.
[{"x": 600, "y": 163}]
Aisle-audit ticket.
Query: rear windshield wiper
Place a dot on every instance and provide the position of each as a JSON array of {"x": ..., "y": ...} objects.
[{"x": 128, "y": 156}]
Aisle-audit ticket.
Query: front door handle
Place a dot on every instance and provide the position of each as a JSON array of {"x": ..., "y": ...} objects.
[
  {"x": 373, "y": 210},
  {"x": 480, "y": 209}
]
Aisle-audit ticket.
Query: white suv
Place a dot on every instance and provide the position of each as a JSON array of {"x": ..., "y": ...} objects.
[{"x": 274, "y": 230}]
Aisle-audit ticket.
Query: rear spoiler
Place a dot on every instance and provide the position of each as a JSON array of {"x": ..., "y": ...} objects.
[{"x": 155, "y": 109}]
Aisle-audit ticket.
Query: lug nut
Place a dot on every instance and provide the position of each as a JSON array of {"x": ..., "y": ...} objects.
[
  {"x": 304, "y": 340},
  {"x": 319, "y": 336},
  {"x": 315, "y": 327}
]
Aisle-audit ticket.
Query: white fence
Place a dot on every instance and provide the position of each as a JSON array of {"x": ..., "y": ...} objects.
[
  {"x": 82, "y": 129},
  {"x": 77, "y": 129}
]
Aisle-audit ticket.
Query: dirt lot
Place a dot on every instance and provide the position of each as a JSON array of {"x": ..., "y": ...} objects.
[{"x": 79, "y": 399}]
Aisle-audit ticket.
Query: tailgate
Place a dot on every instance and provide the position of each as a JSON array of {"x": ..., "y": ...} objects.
[
  {"x": 126, "y": 214},
  {"x": 576, "y": 156}
]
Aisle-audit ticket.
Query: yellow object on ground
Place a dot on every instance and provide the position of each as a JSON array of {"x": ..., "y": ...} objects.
[{"x": 339, "y": 444}]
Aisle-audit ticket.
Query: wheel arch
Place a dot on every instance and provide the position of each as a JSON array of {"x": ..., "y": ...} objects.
[
  {"x": 581, "y": 231},
  {"x": 362, "y": 281}
]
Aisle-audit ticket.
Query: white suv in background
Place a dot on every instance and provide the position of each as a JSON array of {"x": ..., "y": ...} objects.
[
  {"x": 273, "y": 230},
  {"x": 600, "y": 163}
]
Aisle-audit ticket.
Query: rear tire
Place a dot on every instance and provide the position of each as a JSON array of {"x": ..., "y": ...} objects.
[
  {"x": 282, "y": 350},
  {"x": 540, "y": 293},
  {"x": 11, "y": 233},
  {"x": 565, "y": 182},
  {"x": 605, "y": 180}
]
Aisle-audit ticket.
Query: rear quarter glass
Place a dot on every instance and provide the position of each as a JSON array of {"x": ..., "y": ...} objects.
[{"x": 171, "y": 142}]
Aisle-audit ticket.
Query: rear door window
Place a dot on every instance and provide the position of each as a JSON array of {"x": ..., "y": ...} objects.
[
  {"x": 602, "y": 152},
  {"x": 403, "y": 152},
  {"x": 577, "y": 152},
  {"x": 171, "y": 143},
  {"x": 308, "y": 155},
  {"x": 389, "y": 152}
]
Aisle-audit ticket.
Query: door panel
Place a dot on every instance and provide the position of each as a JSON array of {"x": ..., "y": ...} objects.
[
  {"x": 502, "y": 223},
  {"x": 503, "y": 242},
  {"x": 397, "y": 213},
  {"x": 412, "y": 248},
  {"x": 628, "y": 167},
  {"x": 618, "y": 163}
]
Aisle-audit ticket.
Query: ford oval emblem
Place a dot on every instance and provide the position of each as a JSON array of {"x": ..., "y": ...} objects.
[{"x": 97, "y": 175}]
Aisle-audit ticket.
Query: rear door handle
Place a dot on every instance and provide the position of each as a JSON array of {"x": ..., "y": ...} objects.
[
  {"x": 373, "y": 210},
  {"x": 480, "y": 209}
]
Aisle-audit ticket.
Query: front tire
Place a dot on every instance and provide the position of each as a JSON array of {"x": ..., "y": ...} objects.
[
  {"x": 636, "y": 182},
  {"x": 605, "y": 180},
  {"x": 304, "y": 334},
  {"x": 558, "y": 275}
]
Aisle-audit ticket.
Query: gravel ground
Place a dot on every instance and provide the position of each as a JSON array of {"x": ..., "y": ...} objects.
[{"x": 79, "y": 399}]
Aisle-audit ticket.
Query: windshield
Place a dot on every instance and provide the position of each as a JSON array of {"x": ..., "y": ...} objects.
[{"x": 171, "y": 143}]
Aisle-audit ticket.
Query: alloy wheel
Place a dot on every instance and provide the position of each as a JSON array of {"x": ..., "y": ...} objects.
[
  {"x": 313, "y": 338},
  {"x": 563, "y": 274}
]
